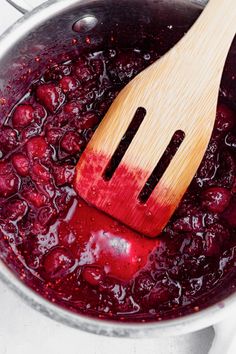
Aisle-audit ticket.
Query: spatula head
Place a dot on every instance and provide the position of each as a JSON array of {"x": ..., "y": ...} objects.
[{"x": 119, "y": 196}]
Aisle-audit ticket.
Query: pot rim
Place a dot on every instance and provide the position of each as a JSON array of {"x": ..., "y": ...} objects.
[{"x": 181, "y": 325}]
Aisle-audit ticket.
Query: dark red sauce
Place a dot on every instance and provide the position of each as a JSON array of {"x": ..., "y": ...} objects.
[{"x": 81, "y": 259}]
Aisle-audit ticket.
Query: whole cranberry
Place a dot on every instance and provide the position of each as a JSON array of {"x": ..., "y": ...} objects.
[
  {"x": 216, "y": 199},
  {"x": 225, "y": 118},
  {"x": 87, "y": 121},
  {"x": 50, "y": 96},
  {"x": 9, "y": 182},
  {"x": 68, "y": 83},
  {"x": 37, "y": 148},
  {"x": 57, "y": 263},
  {"x": 72, "y": 143},
  {"x": 23, "y": 116},
  {"x": 21, "y": 164}
]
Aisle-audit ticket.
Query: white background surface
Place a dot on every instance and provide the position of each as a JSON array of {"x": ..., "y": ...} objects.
[{"x": 24, "y": 331}]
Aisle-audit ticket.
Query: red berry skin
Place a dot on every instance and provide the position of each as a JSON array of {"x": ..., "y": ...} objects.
[
  {"x": 16, "y": 209},
  {"x": 83, "y": 71},
  {"x": 57, "y": 263},
  {"x": 87, "y": 121},
  {"x": 37, "y": 148},
  {"x": 40, "y": 174},
  {"x": 34, "y": 198},
  {"x": 9, "y": 182},
  {"x": 93, "y": 275},
  {"x": 216, "y": 199},
  {"x": 68, "y": 83},
  {"x": 63, "y": 174},
  {"x": 72, "y": 143},
  {"x": 8, "y": 139},
  {"x": 21, "y": 164},
  {"x": 23, "y": 116},
  {"x": 53, "y": 135},
  {"x": 50, "y": 96},
  {"x": 230, "y": 213},
  {"x": 73, "y": 108}
]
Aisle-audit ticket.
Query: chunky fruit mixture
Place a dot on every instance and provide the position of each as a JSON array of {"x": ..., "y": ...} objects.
[{"x": 81, "y": 259}]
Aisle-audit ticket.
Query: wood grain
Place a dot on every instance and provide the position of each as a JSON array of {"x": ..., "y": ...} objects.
[{"x": 179, "y": 92}]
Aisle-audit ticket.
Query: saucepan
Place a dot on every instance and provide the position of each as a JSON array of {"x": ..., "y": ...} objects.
[{"x": 47, "y": 31}]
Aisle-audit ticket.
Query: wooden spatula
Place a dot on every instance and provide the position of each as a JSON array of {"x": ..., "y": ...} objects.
[{"x": 178, "y": 92}]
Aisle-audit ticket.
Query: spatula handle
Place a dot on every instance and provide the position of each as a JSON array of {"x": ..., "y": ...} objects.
[{"x": 215, "y": 30}]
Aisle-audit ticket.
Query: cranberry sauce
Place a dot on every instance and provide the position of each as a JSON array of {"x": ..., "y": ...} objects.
[{"x": 81, "y": 259}]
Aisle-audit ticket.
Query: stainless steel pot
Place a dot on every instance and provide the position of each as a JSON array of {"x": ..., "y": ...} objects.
[{"x": 38, "y": 33}]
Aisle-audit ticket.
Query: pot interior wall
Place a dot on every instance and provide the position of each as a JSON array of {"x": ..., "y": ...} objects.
[{"x": 54, "y": 40}]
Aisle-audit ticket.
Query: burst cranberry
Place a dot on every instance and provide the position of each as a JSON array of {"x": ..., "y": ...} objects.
[
  {"x": 93, "y": 275},
  {"x": 157, "y": 295},
  {"x": 37, "y": 148},
  {"x": 83, "y": 71},
  {"x": 215, "y": 199},
  {"x": 87, "y": 121},
  {"x": 23, "y": 116},
  {"x": 68, "y": 83},
  {"x": 50, "y": 96},
  {"x": 225, "y": 118},
  {"x": 46, "y": 216},
  {"x": 34, "y": 198},
  {"x": 56, "y": 72},
  {"x": 214, "y": 237},
  {"x": 73, "y": 108},
  {"x": 125, "y": 66},
  {"x": 98, "y": 66},
  {"x": 72, "y": 143},
  {"x": 21, "y": 164},
  {"x": 226, "y": 170},
  {"x": 39, "y": 173},
  {"x": 16, "y": 209},
  {"x": 8, "y": 139},
  {"x": 143, "y": 284},
  {"x": 57, "y": 263},
  {"x": 230, "y": 213},
  {"x": 54, "y": 135},
  {"x": 195, "y": 248},
  {"x": 189, "y": 223},
  {"x": 63, "y": 174},
  {"x": 9, "y": 182},
  {"x": 39, "y": 113}
]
